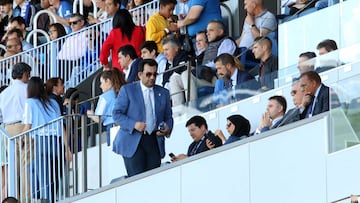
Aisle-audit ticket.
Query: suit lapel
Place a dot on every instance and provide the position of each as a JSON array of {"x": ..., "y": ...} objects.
[{"x": 141, "y": 96}]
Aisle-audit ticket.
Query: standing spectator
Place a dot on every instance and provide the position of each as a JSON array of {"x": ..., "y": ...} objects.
[
  {"x": 55, "y": 89},
  {"x": 26, "y": 10},
  {"x": 258, "y": 22},
  {"x": 149, "y": 51},
  {"x": 316, "y": 95},
  {"x": 129, "y": 62},
  {"x": 238, "y": 128},
  {"x": 200, "y": 14},
  {"x": 139, "y": 109},
  {"x": 268, "y": 66},
  {"x": 111, "y": 7},
  {"x": 62, "y": 11},
  {"x": 124, "y": 32},
  {"x": 12, "y": 107},
  {"x": 202, "y": 137},
  {"x": 106, "y": 101},
  {"x": 39, "y": 110},
  {"x": 274, "y": 114},
  {"x": 158, "y": 26}
]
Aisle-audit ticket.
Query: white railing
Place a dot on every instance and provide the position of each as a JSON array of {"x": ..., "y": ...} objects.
[{"x": 142, "y": 13}]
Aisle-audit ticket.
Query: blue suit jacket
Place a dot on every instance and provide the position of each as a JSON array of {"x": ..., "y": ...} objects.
[
  {"x": 129, "y": 108},
  {"x": 133, "y": 75}
]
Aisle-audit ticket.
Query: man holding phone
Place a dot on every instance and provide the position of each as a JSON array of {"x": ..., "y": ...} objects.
[
  {"x": 202, "y": 137},
  {"x": 143, "y": 111}
]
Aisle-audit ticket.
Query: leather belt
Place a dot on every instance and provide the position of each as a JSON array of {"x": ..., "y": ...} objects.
[{"x": 12, "y": 123}]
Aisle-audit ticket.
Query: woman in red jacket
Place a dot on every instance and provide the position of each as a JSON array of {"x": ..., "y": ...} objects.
[{"x": 124, "y": 32}]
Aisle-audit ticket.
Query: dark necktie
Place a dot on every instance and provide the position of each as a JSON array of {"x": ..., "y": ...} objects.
[{"x": 309, "y": 111}]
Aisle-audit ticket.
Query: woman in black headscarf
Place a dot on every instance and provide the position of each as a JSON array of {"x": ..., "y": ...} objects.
[{"x": 237, "y": 126}]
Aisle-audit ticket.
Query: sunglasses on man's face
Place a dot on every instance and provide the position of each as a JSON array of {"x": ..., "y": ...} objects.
[
  {"x": 149, "y": 74},
  {"x": 74, "y": 22}
]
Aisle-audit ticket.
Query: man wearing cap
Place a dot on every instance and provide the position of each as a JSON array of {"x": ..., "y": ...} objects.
[{"x": 12, "y": 101}]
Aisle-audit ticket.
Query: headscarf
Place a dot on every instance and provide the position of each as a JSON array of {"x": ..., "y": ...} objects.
[{"x": 242, "y": 125}]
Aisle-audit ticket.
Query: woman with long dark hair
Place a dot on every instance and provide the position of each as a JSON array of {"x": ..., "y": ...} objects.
[
  {"x": 40, "y": 110},
  {"x": 124, "y": 32}
]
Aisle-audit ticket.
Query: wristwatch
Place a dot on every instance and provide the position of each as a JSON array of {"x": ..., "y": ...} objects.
[{"x": 167, "y": 31}]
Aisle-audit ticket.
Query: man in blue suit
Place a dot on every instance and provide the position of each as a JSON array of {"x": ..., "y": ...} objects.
[
  {"x": 140, "y": 109},
  {"x": 233, "y": 83},
  {"x": 129, "y": 61}
]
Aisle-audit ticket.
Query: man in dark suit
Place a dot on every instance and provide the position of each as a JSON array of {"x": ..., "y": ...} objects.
[
  {"x": 139, "y": 109},
  {"x": 129, "y": 61},
  {"x": 233, "y": 80},
  {"x": 203, "y": 138},
  {"x": 274, "y": 114},
  {"x": 316, "y": 95}
]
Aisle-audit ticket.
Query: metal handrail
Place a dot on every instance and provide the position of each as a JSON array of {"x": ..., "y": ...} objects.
[
  {"x": 81, "y": 3},
  {"x": 37, "y": 15}
]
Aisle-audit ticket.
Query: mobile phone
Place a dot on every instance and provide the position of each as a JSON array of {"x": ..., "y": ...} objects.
[
  {"x": 172, "y": 155},
  {"x": 161, "y": 126}
]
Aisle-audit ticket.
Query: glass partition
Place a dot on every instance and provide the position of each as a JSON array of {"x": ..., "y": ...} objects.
[{"x": 345, "y": 116}]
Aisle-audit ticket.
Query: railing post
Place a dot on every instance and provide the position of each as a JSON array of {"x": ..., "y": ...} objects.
[
  {"x": 12, "y": 165},
  {"x": 189, "y": 81},
  {"x": 84, "y": 151}
]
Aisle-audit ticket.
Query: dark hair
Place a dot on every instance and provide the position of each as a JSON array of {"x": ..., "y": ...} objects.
[
  {"x": 10, "y": 200},
  {"x": 17, "y": 40},
  {"x": 312, "y": 76},
  {"x": 281, "y": 100},
  {"x": 19, "y": 69},
  {"x": 242, "y": 125},
  {"x": 17, "y": 31},
  {"x": 149, "y": 45},
  {"x": 197, "y": 121},
  {"x": 123, "y": 20},
  {"x": 171, "y": 39},
  {"x": 308, "y": 54},
  {"x": 4, "y": 2},
  {"x": 20, "y": 20},
  {"x": 36, "y": 89},
  {"x": 167, "y": 2},
  {"x": 150, "y": 62},
  {"x": 78, "y": 16},
  {"x": 71, "y": 91},
  {"x": 118, "y": 79},
  {"x": 204, "y": 33},
  {"x": 51, "y": 83},
  {"x": 328, "y": 44},
  {"x": 225, "y": 58},
  {"x": 59, "y": 29},
  {"x": 128, "y": 50},
  {"x": 263, "y": 39}
]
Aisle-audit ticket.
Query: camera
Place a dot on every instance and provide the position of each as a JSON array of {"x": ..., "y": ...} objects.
[{"x": 161, "y": 126}]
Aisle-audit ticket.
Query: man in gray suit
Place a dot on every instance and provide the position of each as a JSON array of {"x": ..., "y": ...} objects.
[{"x": 143, "y": 111}]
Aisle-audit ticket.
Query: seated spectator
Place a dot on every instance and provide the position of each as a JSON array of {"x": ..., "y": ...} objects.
[
  {"x": 26, "y": 10},
  {"x": 135, "y": 3},
  {"x": 316, "y": 95},
  {"x": 158, "y": 26},
  {"x": 149, "y": 51},
  {"x": 56, "y": 30},
  {"x": 6, "y": 12},
  {"x": 238, "y": 128},
  {"x": 218, "y": 43},
  {"x": 231, "y": 79},
  {"x": 201, "y": 45},
  {"x": 258, "y": 22},
  {"x": 106, "y": 101},
  {"x": 324, "y": 47},
  {"x": 301, "y": 5},
  {"x": 129, "y": 62},
  {"x": 178, "y": 78},
  {"x": 305, "y": 64},
  {"x": 55, "y": 89},
  {"x": 17, "y": 33},
  {"x": 43, "y": 21},
  {"x": 293, "y": 114},
  {"x": 111, "y": 7},
  {"x": 274, "y": 114},
  {"x": 268, "y": 67},
  {"x": 124, "y": 32},
  {"x": 202, "y": 137},
  {"x": 101, "y": 14},
  {"x": 62, "y": 10}
]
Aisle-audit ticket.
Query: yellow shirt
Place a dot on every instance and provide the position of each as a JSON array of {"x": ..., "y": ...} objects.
[{"x": 155, "y": 29}]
